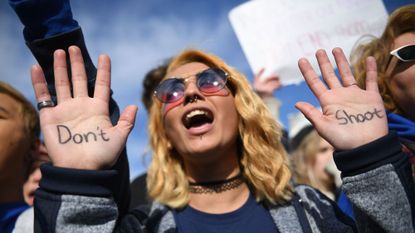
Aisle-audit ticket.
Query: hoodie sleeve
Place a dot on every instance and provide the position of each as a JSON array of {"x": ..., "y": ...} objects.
[
  {"x": 71, "y": 200},
  {"x": 48, "y": 26},
  {"x": 43, "y": 51},
  {"x": 377, "y": 180}
]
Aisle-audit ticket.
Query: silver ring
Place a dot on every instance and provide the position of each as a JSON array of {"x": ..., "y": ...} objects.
[
  {"x": 45, "y": 104},
  {"x": 352, "y": 85}
]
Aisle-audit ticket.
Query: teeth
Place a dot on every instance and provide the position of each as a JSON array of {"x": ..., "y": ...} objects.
[{"x": 195, "y": 113}]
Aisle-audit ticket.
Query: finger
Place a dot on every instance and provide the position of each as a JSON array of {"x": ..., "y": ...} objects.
[
  {"x": 343, "y": 66},
  {"x": 371, "y": 75},
  {"x": 273, "y": 79},
  {"x": 103, "y": 81},
  {"x": 311, "y": 78},
  {"x": 274, "y": 84},
  {"x": 310, "y": 112},
  {"x": 327, "y": 69},
  {"x": 79, "y": 80},
  {"x": 259, "y": 74},
  {"x": 60, "y": 69},
  {"x": 39, "y": 84},
  {"x": 127, "y": 119}
]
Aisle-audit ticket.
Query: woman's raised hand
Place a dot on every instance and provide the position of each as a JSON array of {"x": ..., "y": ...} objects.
[
  {"x": 350, "y": 116},
  {"x": 77, "y": 131}
]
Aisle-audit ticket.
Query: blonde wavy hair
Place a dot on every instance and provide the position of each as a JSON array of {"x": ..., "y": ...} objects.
[
  {"x": 302, "y": 159},
  {"x": 400, "y": 21},
  {"x": 263, "y": 160}
]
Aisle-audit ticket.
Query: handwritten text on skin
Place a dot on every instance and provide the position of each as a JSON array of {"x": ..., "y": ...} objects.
[
  {"x": 346, "y": 118},
  {"x": 66, "y": 135}
]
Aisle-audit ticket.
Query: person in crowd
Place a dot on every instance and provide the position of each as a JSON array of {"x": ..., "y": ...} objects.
[
  {"x": 310, "y": 159},
  {"x": 32, "y": 182},
  {"x": 19, "y": 141},
  {"x": 395, "y": 52},
  {"x": 264, "y": 87},
  {"x": 216, "y": 166},
  {"x": 48, "y": 26},
  {"x": 312, "y": 163},
  {"x": 24, "y": 223}
]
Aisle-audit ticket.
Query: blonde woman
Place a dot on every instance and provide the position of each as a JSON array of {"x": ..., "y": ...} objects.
[
  {"x": 310, "y": 159},
  {"x": 216, "y": 166},
  {"x": 312, "y": 164}
]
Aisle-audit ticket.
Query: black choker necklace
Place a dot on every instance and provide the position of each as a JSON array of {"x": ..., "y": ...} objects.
[{"x": 216, "y": 186}]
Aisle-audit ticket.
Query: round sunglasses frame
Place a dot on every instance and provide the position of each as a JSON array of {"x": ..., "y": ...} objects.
[{"x": 180, "y": 82}]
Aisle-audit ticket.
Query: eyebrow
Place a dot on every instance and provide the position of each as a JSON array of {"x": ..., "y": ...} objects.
[{"x": 190, "y": 75}]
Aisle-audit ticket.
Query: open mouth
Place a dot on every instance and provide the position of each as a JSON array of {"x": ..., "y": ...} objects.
[{"x": 196, "y": 118}]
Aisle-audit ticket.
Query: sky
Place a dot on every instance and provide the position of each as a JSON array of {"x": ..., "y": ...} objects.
[{"x": 139, "y": 35}]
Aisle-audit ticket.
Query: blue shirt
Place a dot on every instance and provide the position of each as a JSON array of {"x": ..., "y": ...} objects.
[
  {"x": 404, "y": 127},
  {"x": 252, "y": 217},
  {"x": 8, "y": 215},
  {"x": 345, "y": 205}
]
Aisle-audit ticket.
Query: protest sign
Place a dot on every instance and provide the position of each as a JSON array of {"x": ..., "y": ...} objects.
[{"x": 275, "y": 33}]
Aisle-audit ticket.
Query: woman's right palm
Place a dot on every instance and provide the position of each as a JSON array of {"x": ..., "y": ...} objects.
[{"x": 78, "y": 132}]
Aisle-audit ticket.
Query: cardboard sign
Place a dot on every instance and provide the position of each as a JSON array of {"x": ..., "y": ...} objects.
[{"x": 275, "y": 33}]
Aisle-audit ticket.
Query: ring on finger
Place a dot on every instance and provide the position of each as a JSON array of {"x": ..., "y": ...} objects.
[
  {"x": 45, "y": 104},
  {"x": 352, "y": 84}
]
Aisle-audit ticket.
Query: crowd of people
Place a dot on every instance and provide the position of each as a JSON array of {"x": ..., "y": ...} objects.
[{"x": 221, "y": 159}]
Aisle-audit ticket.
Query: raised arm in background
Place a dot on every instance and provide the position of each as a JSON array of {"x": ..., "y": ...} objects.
[
  {"x": 48, "y": 26},
  {"x": 376, "y": 174}
]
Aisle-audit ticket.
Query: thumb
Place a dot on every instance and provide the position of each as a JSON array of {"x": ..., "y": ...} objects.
[
  {"x": 310, "y": 112},
  {"x": 127, "y": 119}
]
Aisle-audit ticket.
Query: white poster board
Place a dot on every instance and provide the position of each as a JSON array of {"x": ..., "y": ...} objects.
[{"x": 275, "y": 33}]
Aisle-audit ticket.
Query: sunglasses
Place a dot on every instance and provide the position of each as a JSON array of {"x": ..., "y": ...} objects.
[
  {"x": 208, "y": 81},
  {"x": 405, "y": 53}
]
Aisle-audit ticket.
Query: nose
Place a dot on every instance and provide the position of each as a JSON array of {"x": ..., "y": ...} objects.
[{"x": 192, "y": 92}]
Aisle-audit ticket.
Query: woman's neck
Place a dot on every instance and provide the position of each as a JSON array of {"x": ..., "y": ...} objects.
[
  {"x": 220, "y": 202},
  {"x": 328, "y": 188},
  {"x": 217, "y": 188},
  {"x": 213, "y": 168}
]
